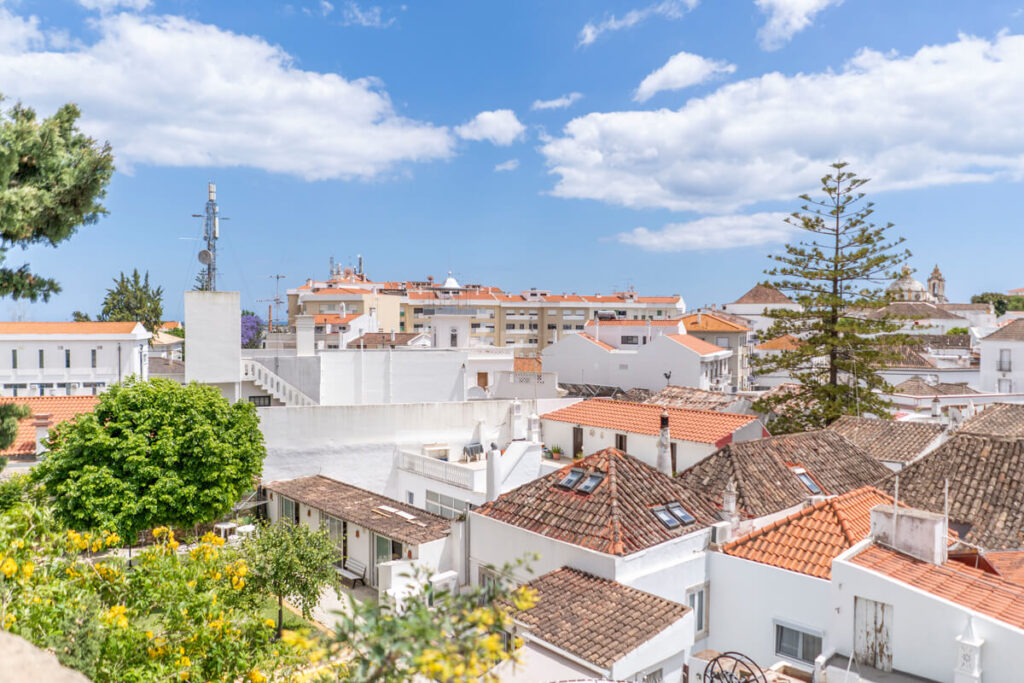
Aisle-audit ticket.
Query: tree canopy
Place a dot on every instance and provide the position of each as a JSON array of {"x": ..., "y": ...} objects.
[
  {"x": 52, "y": 178},
  {"x": 152, "y": 453},
  {"x": 836, "y": 275},
  {"x": 131, "y": 299},
  {"x": 252, "y": 330},
  {"x": 1001, "y": 303}
]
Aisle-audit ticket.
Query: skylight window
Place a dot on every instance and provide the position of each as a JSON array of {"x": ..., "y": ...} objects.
[
  {"x": 571, "y": 479},
  {"x": 665, "y": 517},
  {"x": 681, "y": 514},
  {"x": 591, "y": 482},
  {"x": 807, "y": 481}
]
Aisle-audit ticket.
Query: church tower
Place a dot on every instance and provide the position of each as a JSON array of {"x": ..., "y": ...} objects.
[{"x": 937, "y": 286}]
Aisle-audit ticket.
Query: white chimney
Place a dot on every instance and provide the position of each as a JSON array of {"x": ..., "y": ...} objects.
[
  {"x": 305, "y": 335},
  {"x": 936, "y": 407},
  {"x": 42, "y": 425},
  {"x": 392, "y": 335},
  {"x": 664, "y": 458},
  {"x": 493, "y": 473},
  {"x": 912, "y": 532},
  {"x": 534, "y": 427},
  {"x": 729, "y": 498}
]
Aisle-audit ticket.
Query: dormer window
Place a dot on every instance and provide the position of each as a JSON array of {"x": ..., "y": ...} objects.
[
  {"x": 591, "y": 482},
  {"x": 680, "y": 513},
  {"x": 807, "y": 480},
  {"x": 570, "y": 480},
  {"x": 665, "y": 517}
]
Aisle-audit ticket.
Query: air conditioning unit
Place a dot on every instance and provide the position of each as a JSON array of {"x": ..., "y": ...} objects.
[{"x": 721, "y": 532}]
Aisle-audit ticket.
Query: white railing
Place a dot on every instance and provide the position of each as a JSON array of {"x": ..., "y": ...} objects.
[
  {"x": 273, "y": 384},
  {"x": 437, "y": 469}
]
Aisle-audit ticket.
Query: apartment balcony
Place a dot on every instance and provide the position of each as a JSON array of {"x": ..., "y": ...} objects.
[
  {"x": 1004, "y": 366},
  {"x": 471, "y": 476}
]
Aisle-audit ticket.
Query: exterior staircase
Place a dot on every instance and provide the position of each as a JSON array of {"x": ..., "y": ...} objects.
[{"x": 257, "y": 373}]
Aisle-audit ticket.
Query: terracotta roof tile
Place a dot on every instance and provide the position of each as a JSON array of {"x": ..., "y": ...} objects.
[
  {"x": 786, "y": 342},
  {"x": 606, "y": 347},
  {"x": 916, "y": 386},
  {"x": 986, "y": 488},
  {"x": 527, "y": 364},
  {"x": 763, "y": 470},
  {"x": 972, "y": 588},
  {"x": 59, "y": 408},
  {"x": 763, "y": 294},
  {"x": 1012, "y": 331},
  {"x": 363, "y": 507},
  {"x": 997, "y": 419},
  {"x": 595, "y": 619},
  {"x": 379, "y": 340},
  {"x": 807, "y": 541},
  {"x": 711, "y": 322},
  {"x": 334, "y": 319},
  {"x": 695, "y": 344},
  {"x": 888, "y": 440},
  {"x": 702, "y": 426},
  {"x": 693, "y": 398},
  {"x": 67, "y": 328},
  {"x": 615, "y": 518}
]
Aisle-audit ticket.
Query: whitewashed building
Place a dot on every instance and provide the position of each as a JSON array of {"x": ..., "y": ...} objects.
[
  {"x": 754, "y": 305},
  {"x": 1002, "y": 359},
  {"x": 71, "y": 359}
]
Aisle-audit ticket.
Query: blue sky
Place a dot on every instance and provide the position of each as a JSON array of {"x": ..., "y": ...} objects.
[{"x": 685, "y": 128}]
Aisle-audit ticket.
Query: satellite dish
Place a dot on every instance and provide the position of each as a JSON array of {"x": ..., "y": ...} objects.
[
  {"x": 348, "y": 272},
  {"x": 205, "y": 257}
]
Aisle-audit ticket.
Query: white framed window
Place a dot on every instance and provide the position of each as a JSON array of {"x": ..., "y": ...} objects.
[
  {"x": 289, "y": 509},
  {"x": 446, "y": 506},
  {"x": 697, "y": 599},
  {"x": 796, "y": 643}
]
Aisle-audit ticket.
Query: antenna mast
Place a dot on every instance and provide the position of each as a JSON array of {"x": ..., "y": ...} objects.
[
  {"x": 277, "y": 300},
  {"x": 211, "y": 233}
]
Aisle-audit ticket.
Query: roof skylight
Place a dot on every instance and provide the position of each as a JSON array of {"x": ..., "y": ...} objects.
[
  {"x": 571, "y": 479},
  {"x": 681, "y": 514},
  {"x": 665, "y": 517},
  {"x": 591, "y": 482},
  {"x": 807, "y": 480}
]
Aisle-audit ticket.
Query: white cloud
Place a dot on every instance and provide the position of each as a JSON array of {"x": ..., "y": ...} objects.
[
  {"x": 713, "y": 232},
  {"x": 510, "y": 165},
  {"x": 500, "y": 127},
  {"x": 562, "y": 102},
  {"x": 174, "y": 92},
  {"x": 326, "y": 7},
  {"x": 670, "y": 9},
  {"x": 371, "y": 17},
  {"x": 111, "y": 5},
  {"x": 680, "y": 71},
  {"x": 19, "y": 33},
  {"x": 786, "y": 18},
  {"x": 948, "y": 114}
]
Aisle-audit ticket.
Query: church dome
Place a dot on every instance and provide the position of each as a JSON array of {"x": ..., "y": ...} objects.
[
  {"x": 450, "y": 282},
  {"x": 906, "y": 288}
]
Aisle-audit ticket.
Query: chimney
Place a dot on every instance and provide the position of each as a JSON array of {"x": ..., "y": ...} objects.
[
  {"x": 42, "y": 425},
  {"x": 729, "y": 498},
  {"x": 305, "y": 334},
  {"x": 936, "y": 407},
  {"x": 698, "y": 317},
  {"x": 493, "y": 473},
  {"x": 917, "y": 533},
  {"x": 664, "y": 458},
  {"x": 534, "y": 427},
  {"x": 392, "y": 335}
]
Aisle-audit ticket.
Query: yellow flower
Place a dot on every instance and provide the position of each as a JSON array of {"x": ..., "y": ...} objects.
[
  {"x": 116, "y": 616},
  {"x": 237, "y": 583},
  {"x": 9, "y": 621},
  {"x": 524, "y": 598},
  {"x": 149, "y": 635},
  {"x": 9, "y": 567},
  {"x": 27, "y": 568},
  {"x": 269, "y": 623},
  {"x": 159, "y": 531},
  {"x": 113, "y": 539},
  {"x": 19, "y": 544},
  {"x": 256, "y": 676}
]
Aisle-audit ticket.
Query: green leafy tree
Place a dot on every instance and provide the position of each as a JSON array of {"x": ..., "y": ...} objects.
[
  {"x": 958, "y": 330},
  {"x": 52, "y": 178},
  {"x": 836, "y": 275},
  {"x": 132, "y": 299},
  {"x": 152, "y": 453},
  {"x": 291, "y": 560},
  {"x": 1001, "y": 303}
]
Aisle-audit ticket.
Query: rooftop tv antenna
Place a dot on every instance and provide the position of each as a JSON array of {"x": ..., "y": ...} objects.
[
  {"x": 211, "y": 233},
  {"x": 276, "y": 301}
]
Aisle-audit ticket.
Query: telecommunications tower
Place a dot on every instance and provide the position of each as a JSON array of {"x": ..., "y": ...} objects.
[{"x": 207, "y": 279}]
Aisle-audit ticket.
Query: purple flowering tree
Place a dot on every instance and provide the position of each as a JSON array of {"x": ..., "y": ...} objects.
[{"x": 252, "y": 330}]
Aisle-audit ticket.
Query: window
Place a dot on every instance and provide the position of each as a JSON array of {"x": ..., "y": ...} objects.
[
  {"x": 67, "y": 358},
  {"x": 552, "y": 326},
  {"x": 722, "y": 342},
  {"x": 570, "y": 480},
  {"x": 630, "y": 339},
  {"x": 579, "y": 327},
  {"x": 260, "y": 401},
  {"x": 410, "y": 498},
  {"x": 655, "y": 676},
  {"x": 15, "y": 387},
  {"x": 1005, "y": 386},
  {"x": 93, "y": 357},
  {"x": 41, "y": 360},
  {"x": 620, "y": 442},
  {"x": 445, "y": 506},
  {"x": 1004, "y": 360},
  {"x": 566, "y": 326},
  {"x": 454, "y": 341},
  {"x": 796, "y": 644},
  {"x": 590, "y": 483},
  {"x": 665, "y": 517},
  {"x": 680, "y": 513},
  {"x": 14, "y": 359},
  {"x": 807, "y": 481},
  {"x": 697, "y": 599},
  {"x": 289, "y": 509},
  {"x": 510, "y": 326},
  {"x": 417, "y": 311}
]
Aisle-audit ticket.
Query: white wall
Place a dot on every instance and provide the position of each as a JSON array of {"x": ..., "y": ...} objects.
[
  {"x": 214, "y": 324},
  {"x": 748, "y": 598},
  {"x": 924, "y": 627},
  {"x": 117, "y": 358},
  {"x": 989, "y": 370},
  {"x": 641, "y": 446},
  {"x": 755, "y": 313}
]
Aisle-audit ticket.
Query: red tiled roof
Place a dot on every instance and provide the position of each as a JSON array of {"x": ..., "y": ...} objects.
[
  {"x": 67, "y": 328},
  {"x": 763, "y": 294},
  {"x": 606, "y": 347},
  {"x": 702, "y": 426},
  {"x": 616, "y": 518},
  {"x": 696, "y": 345},
  {"x": 972, "y": 588},
  {"x": 170, "y": 325},
  {"x": 527, "y": 364},
  {"x": 658, "y": 299},
  {"x": 59, "y": 408},
  {"x": 342, "y": 290},
  {"x": 634, "y": 323},
  {"x": 335, "y": 319},
  {"x": 1009, "y": 564},
  {"x": 786, "y": 342},
  {"x": 807, "y": 541},
  {"x": 709, "y": 322}
]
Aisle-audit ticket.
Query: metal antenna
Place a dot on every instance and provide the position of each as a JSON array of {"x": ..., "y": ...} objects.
[
  {"x": 211, "y": 233},
  {"x": 276, "y": 301}
]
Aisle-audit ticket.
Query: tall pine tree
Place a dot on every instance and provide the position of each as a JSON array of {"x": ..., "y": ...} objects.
[{"x": 837, "y": 275}]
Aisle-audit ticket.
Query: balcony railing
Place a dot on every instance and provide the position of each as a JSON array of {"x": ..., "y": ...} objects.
[
  {"x": 1004, "y": 366},
  {"x": 438, "y": 469}
]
